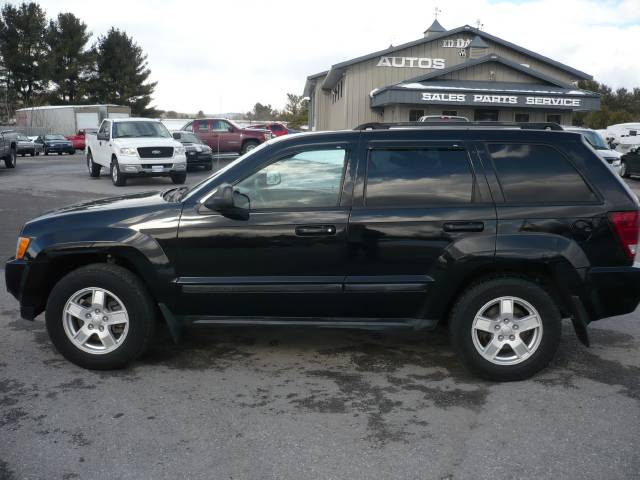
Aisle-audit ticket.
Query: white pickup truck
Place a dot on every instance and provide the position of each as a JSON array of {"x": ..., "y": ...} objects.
[{"x": 135, "y": 147}]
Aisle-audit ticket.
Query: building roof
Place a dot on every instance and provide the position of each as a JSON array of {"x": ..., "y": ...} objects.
[
  {"x": 486, "y": 59},
  {"x": 435, "y": 27},
  {"x": 477, "y": 42},
  {"x": 53, "y": 107},
  {"x": 333, "y": 75}
]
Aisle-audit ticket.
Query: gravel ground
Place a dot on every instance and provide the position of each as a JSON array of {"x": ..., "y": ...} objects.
[{"x": 251, "y": 403}]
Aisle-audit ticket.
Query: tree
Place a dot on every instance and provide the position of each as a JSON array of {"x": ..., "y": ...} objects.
[
  {"x": 24, "y": 50},
  {"x": 262, "y": 112},
  {"x": 296, "y": 111},
  {"x": 121, "y": 74},
  {"x": 618, "y": 106},
  {"x": 69, "y": 62},
  {"x": 200, "y": 114}
]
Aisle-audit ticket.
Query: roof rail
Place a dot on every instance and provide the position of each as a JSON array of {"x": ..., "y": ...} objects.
[{"x": 461, "y": 125}]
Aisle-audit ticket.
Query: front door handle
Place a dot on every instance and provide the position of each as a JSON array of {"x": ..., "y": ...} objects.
[
  {"x": 315, "y": 230},
  {"x": 463, "y": 226}
]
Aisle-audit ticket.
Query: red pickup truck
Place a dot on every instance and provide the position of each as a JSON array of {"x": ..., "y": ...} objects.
[
  {"x": 78, "y": 139},
  {"x": 224, "y": 136}
]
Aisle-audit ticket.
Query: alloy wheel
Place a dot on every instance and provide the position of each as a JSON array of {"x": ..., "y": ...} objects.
[
  {"x": 507, "y": 330},
  {"x": 95, "y": 320}
]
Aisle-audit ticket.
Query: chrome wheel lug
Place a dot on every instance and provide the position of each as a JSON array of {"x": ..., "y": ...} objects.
[
  {"x": 90, "y": 327},
  {"x": 97, "y": 310},
  {"x": 512, "y": 337},
  {"x": 500, "y": 337},
  {"x": 104, "y": 319},
  {"x": 101, "y": 328},
  {"x": 506, "y": 320},
  {"x": 516, "y": 327},
  {"x": 88, "y": 315},
  {"x": 497, "y": 327}
]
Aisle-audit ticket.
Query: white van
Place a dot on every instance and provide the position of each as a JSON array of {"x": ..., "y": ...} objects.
[{"x": 626, "y": 136}]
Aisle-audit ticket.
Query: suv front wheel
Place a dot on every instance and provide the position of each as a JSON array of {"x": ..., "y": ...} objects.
[
  {"x": 100, "y": 317},
  {"x": 505, "y": 329}
]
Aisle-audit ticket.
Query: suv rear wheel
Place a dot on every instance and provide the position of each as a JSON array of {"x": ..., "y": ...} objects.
[
  {"x": 94, "y": 168},
  {"x": 505, "y": 329},
  {"x": 178, "y": 178},
  {"x": 100, "y": 317}
]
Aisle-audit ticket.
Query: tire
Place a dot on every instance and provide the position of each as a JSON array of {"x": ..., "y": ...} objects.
[
  {"x": 541, "y": 342},
  {"x": 623, "y": 170},
  {"x": 129, "y": 335},
  {"x": 209, "y": 166},
  {"x": 178, "y": 178},
  {"x": 248, "y": 146},
  {"x": 117, "y": 178},
  {"x": 94, "y": 168},
  {"x": 32, "y": 153},
  {"x": 45, "y": 152},
  {"x": 11, "y": 159},
  {"x": 59, "y": 153}
]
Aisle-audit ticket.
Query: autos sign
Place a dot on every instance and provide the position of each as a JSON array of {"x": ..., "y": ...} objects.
[{"x": 412, "y": 62}]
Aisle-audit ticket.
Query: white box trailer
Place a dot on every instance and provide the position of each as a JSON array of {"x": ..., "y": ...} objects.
[
  {"x": 68, "y": 119},
  {"x": 625, "y": 135}
]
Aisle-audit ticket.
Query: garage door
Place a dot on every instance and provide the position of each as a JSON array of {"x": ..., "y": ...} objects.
[
  {"x": 118, "y": 115},
  {"x": 87, "y": 120}
]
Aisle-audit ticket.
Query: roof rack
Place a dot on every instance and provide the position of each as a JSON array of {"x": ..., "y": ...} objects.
[{"x": 461, "y": 125}]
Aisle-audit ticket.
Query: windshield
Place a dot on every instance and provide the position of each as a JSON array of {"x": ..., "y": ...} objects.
[
  {"x": 54, "y": 137},
  {"x": 22, "y": 138},
  {"x": 188, "y": 138},
  {"x": 140, "y": 129},
  {"x": 595, "y": 140}
]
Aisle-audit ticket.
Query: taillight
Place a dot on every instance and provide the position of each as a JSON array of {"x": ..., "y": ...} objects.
[{"x": 627, "y": 225}]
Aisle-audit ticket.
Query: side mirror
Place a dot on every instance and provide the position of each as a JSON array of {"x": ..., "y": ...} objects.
[
  {"x": 230, "y": 128},
  {"x": 103, "y": 136},
  {"x": 229, "y": 202},
  {"x": 176, "y": 135}
]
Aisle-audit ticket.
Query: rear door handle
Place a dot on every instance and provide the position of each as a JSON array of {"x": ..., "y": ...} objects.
[
  {"x": 315, "y": 230},
  {"x": 463, "y": 226}
]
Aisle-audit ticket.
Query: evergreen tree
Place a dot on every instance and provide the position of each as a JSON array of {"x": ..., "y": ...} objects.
[
  {"x": 121, "y": 74},
  {"x": 23, "y": 50},
  {"x": 69, "y": 62}
]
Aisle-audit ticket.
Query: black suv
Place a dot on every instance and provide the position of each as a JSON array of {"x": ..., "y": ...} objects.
[{"x": 500, "y": 231}]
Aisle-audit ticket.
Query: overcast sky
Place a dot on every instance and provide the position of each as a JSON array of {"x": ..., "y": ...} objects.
[{"x": 224, "y": 56}]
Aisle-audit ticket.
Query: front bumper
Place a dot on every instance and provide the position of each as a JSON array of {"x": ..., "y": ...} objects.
[
  {"x": 60, "y": 149},
  {"x": 199, "y": 158},
  {"x": 32, "y": 297},
  {"x": 158, "y": 169},
  {"x": 612, "y": 291}
]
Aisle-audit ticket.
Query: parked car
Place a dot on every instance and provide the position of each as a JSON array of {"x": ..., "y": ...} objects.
[
  {"x": 135, "y": 147},
  {"x": 610, "y": 156},
  {"x": 631, "y": 162},
  {"x": 224, "y": 136},
  {"x": 26, "y": 146},
  {"x": 78, "y": 140},
  {"x": 55, "y": 143},
  {"x": 500, "y": 232},
  {"x": 277, "y": 129},
  {"x": 197, "y": 152},
  {"x": 9, "y": 147}
]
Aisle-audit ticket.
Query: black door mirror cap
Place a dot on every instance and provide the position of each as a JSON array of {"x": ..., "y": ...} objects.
[{"x": 229, "y": 202}]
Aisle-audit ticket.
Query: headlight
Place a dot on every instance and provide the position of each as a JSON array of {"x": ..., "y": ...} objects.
[
  {"x": 179, "y": 150},
  {"x": 21, "y": 248},
  {"x": 128, "y": 151},
  {"x": 198, "y": 148}
]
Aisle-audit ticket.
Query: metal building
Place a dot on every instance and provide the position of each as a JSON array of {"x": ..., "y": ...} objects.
[
  {"x": 464, "y": 71},
  {"x": 68, "y": 119}
]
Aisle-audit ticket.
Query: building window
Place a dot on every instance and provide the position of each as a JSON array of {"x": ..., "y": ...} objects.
[
  {"x": 522, "y": 117},
  {"x": 414, "y": 115},
  {"x": 337, "y": 92},
  {"x": 486, "y": 115},
  {"x": 555, "y": 118},
  {"x": 449, "y": 113}
]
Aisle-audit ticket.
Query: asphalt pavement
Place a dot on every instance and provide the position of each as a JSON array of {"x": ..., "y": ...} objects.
[{"x": 255, "y": 403}]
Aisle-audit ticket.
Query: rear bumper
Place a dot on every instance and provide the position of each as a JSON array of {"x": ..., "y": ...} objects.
[{"x": 612, "y": 291}]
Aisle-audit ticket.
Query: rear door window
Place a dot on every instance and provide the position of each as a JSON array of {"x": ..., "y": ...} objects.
[
  {"x": 534, "y": 173},
  {"x": 419, "y": 176}
]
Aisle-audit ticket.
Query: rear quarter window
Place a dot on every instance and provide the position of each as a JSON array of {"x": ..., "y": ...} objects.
[{"x": 535, "y": 173}]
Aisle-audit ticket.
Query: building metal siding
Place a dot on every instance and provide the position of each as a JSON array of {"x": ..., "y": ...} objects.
[{"x": 363, "y": 77}]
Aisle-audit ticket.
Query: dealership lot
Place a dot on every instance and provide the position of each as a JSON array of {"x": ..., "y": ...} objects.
[{"x": 293, "y": 403}]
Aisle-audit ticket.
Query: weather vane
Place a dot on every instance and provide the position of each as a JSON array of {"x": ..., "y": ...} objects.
[
  {"x": 437, "y": 11},
  {"x": 479, "y": 24}
]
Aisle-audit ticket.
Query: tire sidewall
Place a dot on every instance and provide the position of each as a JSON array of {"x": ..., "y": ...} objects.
[
  {"x": 137, "y": 310},
  {"x": 470, "y": 304}
]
